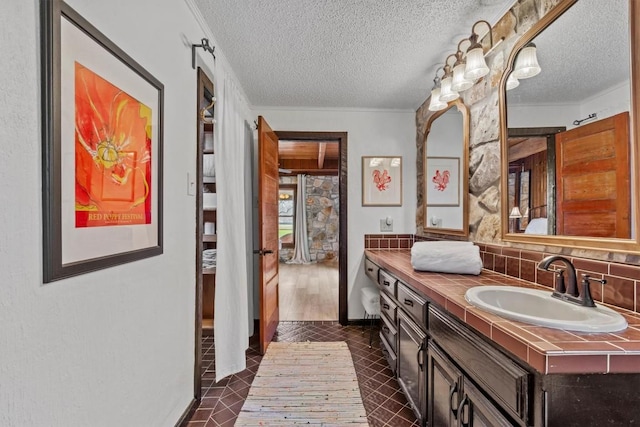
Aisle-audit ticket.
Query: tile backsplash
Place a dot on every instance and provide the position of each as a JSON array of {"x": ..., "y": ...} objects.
[{"x": 623, "y": 280}]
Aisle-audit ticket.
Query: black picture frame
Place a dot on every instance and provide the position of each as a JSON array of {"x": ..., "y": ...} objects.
[{"x": 56, "y": 15}]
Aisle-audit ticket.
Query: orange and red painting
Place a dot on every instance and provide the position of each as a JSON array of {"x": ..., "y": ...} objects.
[{"x": 112, "y": 154}]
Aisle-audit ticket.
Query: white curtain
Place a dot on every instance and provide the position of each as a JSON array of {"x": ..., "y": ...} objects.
[
  {"x": 301, "y": 238},
  {"x": 231, "y": 303}
]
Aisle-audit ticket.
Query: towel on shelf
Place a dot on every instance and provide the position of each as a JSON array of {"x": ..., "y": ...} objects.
[
  {"x": 446, "y": 257},
  {"x": 209, "y": 258}
]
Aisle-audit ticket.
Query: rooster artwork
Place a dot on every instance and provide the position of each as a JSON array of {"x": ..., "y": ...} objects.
[
  {"x": 441, "y": 179},
  {"x": 381, "y": 179}
]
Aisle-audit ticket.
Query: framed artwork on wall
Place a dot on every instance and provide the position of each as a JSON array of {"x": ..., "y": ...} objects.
[
  {"x": 443, "y": 181},
  {"x": 102, "y": 149},
  {"x": 382, "y": 181}
]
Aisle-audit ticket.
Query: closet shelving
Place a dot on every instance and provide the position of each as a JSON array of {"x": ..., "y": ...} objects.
[{"x": 207, "y": 214}]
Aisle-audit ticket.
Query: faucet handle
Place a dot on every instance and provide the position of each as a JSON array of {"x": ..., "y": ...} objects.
[
  {"x": 587, "y": 278},
  {"x": 560, "y": 287},
  {"x": 587, "y": 300}
]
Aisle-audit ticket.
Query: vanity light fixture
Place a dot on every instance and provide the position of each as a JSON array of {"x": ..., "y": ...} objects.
[
  {"x": 476, "y": 65},
  {"x": 436, "y": 103},
  {"x": 526, "y": 63},
  {"x": 447, "y": 94},
  {"x": 459, "y": 82},
  {"x": 512, "y": 82}
]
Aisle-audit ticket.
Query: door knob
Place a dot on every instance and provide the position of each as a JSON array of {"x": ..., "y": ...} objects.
[{"x": 262, "y": 252}]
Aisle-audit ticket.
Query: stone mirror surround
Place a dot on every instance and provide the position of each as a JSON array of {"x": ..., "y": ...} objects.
[
  {"x": 521, "y": 107},
  {"x": 446, "y": 144}
]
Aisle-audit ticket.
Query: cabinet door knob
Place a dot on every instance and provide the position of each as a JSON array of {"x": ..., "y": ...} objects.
[
  {"x": 385, "y": 306},
  {"x": 408, "y": 302}
]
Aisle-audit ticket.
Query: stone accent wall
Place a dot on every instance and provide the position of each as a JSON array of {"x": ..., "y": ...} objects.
[
  {"x": 323, "y": 217},
  {"x": 323, "y": 220},
  {"x": 484, "y": 142}
]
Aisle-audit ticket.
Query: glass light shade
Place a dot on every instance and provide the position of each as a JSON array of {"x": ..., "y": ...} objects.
[
  {"x": 515, "y": 213},
  {"x": 527, "y": 63},
  {"x": 436, "y": 103},
  {"x": 446, "y": 94},
  {"x": 459, "y": 83},
  {"x": 476, "y": 65},
  {"x": 512, "y": 82}
]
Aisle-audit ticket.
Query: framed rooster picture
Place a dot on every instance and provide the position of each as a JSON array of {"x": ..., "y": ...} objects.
[
  {"x": 443, "y": 181},
  {"x": 382, "y": 181}
]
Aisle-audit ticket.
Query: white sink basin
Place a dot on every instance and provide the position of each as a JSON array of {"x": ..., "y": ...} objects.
[{"x": 538, "y": 307}]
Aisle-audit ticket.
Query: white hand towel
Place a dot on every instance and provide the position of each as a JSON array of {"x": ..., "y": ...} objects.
[{"x": 446, "y": 257}]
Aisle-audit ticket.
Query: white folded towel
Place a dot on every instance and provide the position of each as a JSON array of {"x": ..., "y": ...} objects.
[{"x": 446, "y": 257}]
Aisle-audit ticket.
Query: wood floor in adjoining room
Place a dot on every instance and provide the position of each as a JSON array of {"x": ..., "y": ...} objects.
[{"x": 309, "y": 291}]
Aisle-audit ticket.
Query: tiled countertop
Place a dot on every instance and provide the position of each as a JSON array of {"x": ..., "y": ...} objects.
[{"x": 549, "y": 351}]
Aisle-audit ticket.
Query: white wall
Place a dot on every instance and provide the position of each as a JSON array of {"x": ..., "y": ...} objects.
[
  {"x": 606, "y": 103},
  {"x": 370, "y": 133},
  {"x": 113, "y": 347}
]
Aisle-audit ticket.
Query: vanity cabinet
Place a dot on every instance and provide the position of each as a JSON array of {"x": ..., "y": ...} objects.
[
  {"x": 412, "y": 355},
  {"x": 449, "y": 376},
  {"x": 501, "y": 379},
  {"x": 467, "y": 378},
  {"x": 403, "y": 335},
  {"x": 454, "y": 400}
]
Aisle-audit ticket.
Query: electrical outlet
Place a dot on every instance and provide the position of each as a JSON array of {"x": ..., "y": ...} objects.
[{"x": 386, "y": 224}]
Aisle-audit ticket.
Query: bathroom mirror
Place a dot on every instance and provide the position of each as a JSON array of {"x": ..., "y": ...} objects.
[
  {"x": 569, "y": 129},
  {"x": 446, "y": 170}
]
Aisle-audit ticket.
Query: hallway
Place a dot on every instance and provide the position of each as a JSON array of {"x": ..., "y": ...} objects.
[{"x": 384, "y": 402}]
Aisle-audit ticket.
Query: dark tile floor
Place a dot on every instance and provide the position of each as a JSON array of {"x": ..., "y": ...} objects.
[{"x": 384, "y": 402}]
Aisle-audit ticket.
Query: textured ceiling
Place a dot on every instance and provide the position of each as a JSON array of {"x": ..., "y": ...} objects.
[
  {"x": 341, "y": 53},
  {"x": 585, "y": 51}
]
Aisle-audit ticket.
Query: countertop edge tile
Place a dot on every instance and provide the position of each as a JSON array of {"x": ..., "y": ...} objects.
[{"x": 545, "y": 355}]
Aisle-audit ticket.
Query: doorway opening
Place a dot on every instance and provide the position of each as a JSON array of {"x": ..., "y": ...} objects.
[
  {"x": 312, "y": 213},
  {"x": 308, "y": 229}
]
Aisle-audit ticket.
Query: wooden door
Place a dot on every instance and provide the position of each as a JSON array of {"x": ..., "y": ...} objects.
[
  {"x": 268, "y": 231},
  {"x": 592, "y": 179}
]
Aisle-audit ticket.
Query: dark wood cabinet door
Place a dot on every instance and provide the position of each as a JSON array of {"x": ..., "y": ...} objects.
[
  {"x": 412, "y": 372},
  {"x": 444, "y": 389},
  {"x": 475, "y": 410}
]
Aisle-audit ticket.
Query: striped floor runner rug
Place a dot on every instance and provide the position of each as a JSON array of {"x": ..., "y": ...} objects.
[{"x": 310, "y": 383}]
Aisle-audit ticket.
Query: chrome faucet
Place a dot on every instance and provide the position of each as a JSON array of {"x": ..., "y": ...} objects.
[{"x": 570, "y": 292}]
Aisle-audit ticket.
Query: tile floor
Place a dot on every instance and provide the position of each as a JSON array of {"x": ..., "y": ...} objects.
[{"x": 384, "y": 402}]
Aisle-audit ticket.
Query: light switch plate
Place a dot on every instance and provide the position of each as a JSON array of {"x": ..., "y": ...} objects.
[{"x": 384, "y": 226}]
